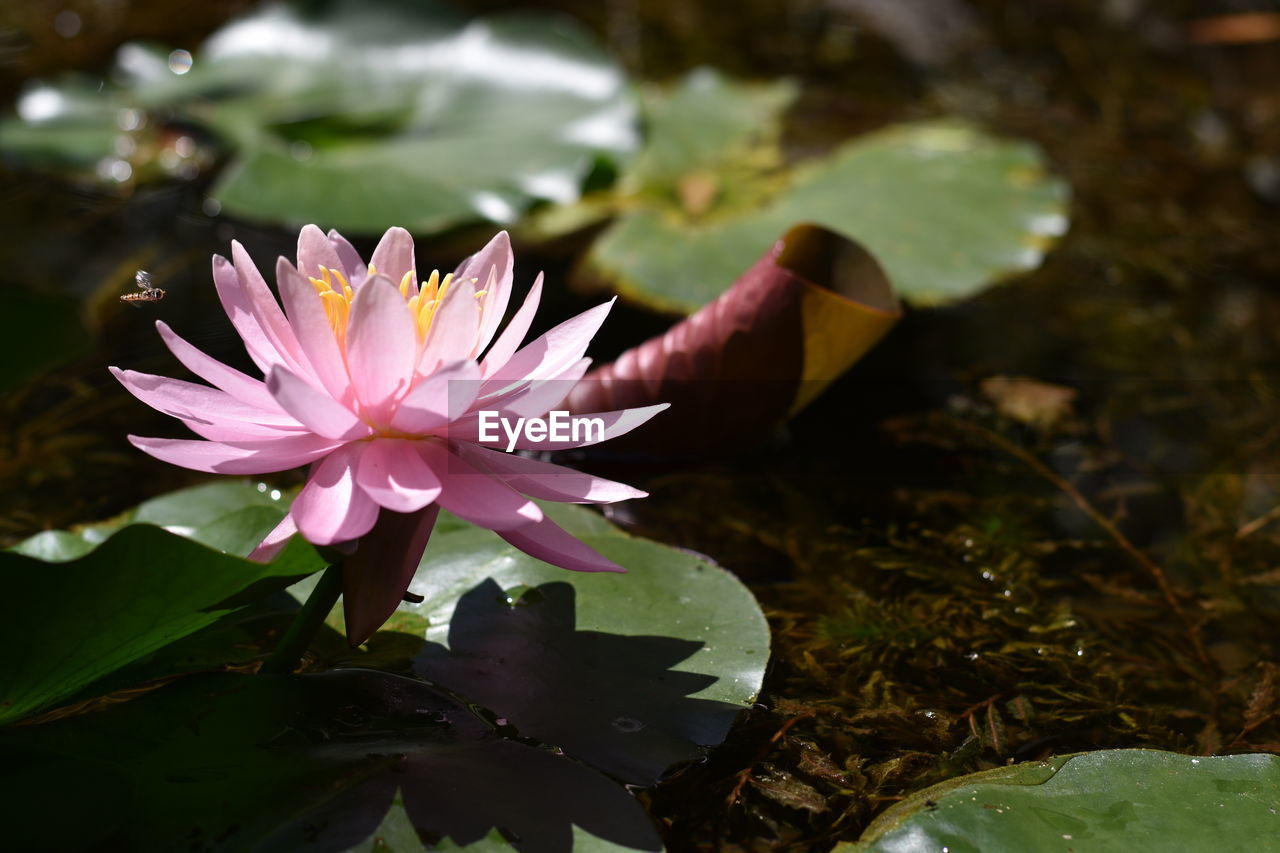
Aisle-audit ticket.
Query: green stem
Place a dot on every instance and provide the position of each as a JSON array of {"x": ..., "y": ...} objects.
[{"x": 289, "y": 652}]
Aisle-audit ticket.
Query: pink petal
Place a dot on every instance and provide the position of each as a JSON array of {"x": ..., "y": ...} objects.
[
  {"x": 392, "y": 472},
  {"x": 452, "y": 335},
  {"x": 549, "y": 542},
  {"x": 375, "y": 577},
  {"x": 315, "y": 409},
  {"x": 244, "y": 388},
  {"x": 438, "y": 399},
  {"x": 535, "y": 399},
  {"x": 330, "y": 508},
  {"x": 239, "y": 431},
  {"x": 315, "y": 251},
  {"x": 476, "y": 496},
  {"x": 352, "y": 264},
  {"x": 315, "y": 334},
  {"x": 242, "y": 457},
  {"x": 394, "y": 257},
  {"x": 546, "y": 481},
  {"x": 513, "y": 335},
  {"x": 275, "y": 541},
  {"x": 182, "y": 399},
  {"x": 236, "y": 304},
  {"x": 492, "y": 268},
  {"x": 382, "y": 345},
  {"x": 267, "y": 311},
  {"x": 554, "y": 351}
]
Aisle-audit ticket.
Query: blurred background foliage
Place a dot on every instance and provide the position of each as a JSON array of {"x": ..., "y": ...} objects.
[{"x": 1035, "y": 520}]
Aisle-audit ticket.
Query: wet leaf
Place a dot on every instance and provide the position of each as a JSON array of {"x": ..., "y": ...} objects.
[{"x": 1096, "y": 801}]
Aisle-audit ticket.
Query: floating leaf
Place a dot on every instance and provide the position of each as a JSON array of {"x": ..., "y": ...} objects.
[
  {"x": 81, "y": 606},
  {"x": 811, "y": 307},
  {"x": 360, "y": 115},
  {"x": 944, "y": 207},
  {"x": 1095, "y": 801}
]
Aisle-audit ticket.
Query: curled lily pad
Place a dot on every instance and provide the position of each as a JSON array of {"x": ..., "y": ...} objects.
[
  {"x": 1110, "y": 800},
  {"x": 790, "y": 325},
  {"x": 944, "y": 207}
]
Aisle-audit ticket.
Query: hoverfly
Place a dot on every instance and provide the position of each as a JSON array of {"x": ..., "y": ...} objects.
[{"x": 148, "y": 293}]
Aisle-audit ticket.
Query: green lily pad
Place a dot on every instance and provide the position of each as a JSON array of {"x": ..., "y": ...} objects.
[
  {"x": 83, "y": 605},
  {"x": 944, "y": 207},
  {"x": 289, "y": 763},
  {"x": 1111, "y": 800},
  {"x": 363, "y": 115}
]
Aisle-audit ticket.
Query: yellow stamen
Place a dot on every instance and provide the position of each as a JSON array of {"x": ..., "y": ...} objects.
[
  {"x": 336, "y": 295},
  {"x": 431, "y": 286},
  {"x": 346, "y": 288}
]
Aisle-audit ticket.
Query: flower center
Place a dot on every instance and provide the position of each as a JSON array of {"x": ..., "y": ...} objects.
[{"x": 423, "y": 301}]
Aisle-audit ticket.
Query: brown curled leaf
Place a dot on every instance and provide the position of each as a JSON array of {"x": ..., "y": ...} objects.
[{"x": 739, "y": 367}]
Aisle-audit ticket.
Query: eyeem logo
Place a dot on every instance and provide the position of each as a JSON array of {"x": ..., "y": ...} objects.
[{"x": 558, "y": 426}]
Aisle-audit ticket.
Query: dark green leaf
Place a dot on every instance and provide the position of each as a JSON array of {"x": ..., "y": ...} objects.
[
  {"x": 294, "y": 763},
  {"x": 79, "y": 610}
]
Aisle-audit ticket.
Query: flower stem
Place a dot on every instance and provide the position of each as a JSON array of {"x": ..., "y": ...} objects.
[{"x": 303, "y": 629}]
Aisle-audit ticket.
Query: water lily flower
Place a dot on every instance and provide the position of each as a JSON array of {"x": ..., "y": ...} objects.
[{"x": 375, "y": 378}]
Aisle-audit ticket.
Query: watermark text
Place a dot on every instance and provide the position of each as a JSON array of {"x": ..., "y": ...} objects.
[{"x": 555, "y": 427}]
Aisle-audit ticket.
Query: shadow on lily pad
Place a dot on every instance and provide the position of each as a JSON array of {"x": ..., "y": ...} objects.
[{"x": 612, "y": 701}]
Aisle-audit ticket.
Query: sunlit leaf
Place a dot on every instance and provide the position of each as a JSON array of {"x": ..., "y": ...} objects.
[{"x": 1101, "y": 801}]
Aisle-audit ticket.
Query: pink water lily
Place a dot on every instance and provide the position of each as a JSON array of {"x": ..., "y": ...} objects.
[{"x": 375, "y": 378}]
